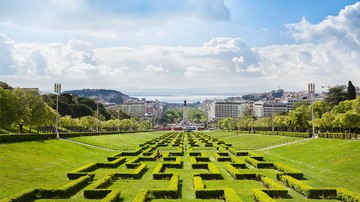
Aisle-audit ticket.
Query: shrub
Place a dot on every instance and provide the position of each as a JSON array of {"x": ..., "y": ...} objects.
[
  {"x": 198, "y": 184},
  {"x": 261, "y": 196},
  {"x": 113, "y": 196},
  {"x": 141, "y": 196},
  {"x": 346, "y": 195},
  {"x": 231, "y": 196},
  {"x": 113, "y": 164},
  {"x": 25, "y": 195},
  {"x": 289, "y": 170},
  {"x": 297, "y": 185},
  {"x": 258, "y": 164}
]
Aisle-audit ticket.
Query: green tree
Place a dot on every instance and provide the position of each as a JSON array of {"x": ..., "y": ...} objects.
[
  {"x": 336, "y": 95},
  {"x": 351, "y": 91},
  {"x": 8, "y": 108},
  {"x": 5, "y": 86},
  {"x": 299, "y": 118}
]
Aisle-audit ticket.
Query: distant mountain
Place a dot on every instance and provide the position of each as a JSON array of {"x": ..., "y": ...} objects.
[{"x": 104, "y": 95}]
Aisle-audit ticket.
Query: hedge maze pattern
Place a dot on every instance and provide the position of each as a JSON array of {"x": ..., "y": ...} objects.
[{"x": 193, "y": 166}]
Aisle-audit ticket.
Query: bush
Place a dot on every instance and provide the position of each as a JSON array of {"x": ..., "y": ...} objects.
[
  {"x": 198, "y": 184},
  {"x": 261, "y": 196},
  {"x": 25, "y": 137},
  {"x": 288, "y": 170},
  {"x": 297, "y": 185},
  {"x": 346, "y": 195},
  {"x": 231, "y": 196},
  {"x": 113, "y": 196},
  {"x": 258, "y": 164},
  {"x": 25, "y": 195},
  {"x": 113, "y": 164},
  {"x": 141, "y": 196}
]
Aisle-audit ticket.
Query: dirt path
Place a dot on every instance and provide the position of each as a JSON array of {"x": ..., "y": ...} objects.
[{"x": 88, "y": 145}]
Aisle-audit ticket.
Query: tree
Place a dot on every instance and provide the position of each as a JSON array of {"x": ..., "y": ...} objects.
[
  {"x": 351, "y": 91},
  {"x": 8, "y": 108},
  {"x": 336, "y": 95},
  {"x": 5, "y": 86}
]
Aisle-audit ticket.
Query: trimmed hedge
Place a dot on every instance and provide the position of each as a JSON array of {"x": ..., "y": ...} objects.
[
  {"x": 344, "y": 136},
  {"x": 347, "y": 195},
  {"x": 113, "y": 196},
  {"x": 25, "y": 195},
  {"x": 141, "y": 196},
  {"x": 261, "y": 196},
  {"x": 289, "y": 134},
  {"x": 295, "y": 184},
  {"x": 136, "y": 174},
  {"x": 308, "y": 191},
  {"x": 113, "y": 164},
  {"x": 258, "y": 164},
  {"x": 221, "y": 158},
  {"x": 25, "y": 137},
  {"x": 231, "y": 196},
  {"x": 287, "y": 170}
]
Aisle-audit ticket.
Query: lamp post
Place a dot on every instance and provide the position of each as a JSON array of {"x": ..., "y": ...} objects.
[
  {"x": 97, "y": 115},
  {"x": 57, "y": 90},
  {"x": 251, "y": 118},
  {"x": 272, "y": 113},
  {"x": 311, "y": 91},
  {"x": 118, "y": 117}
]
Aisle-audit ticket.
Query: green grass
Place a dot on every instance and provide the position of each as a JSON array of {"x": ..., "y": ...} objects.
[
  {"x": 252, "y": 141},
  {"x": 119, "y": 141},
  {"x": 325, "y": 162},
  {"x": 41, "y": 164}
]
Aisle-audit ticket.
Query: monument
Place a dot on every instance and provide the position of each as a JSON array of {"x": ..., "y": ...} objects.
[{"x": 185, "y": 121}]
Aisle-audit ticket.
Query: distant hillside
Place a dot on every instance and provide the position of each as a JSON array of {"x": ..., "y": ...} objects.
[{"x": 112, "y": 96}]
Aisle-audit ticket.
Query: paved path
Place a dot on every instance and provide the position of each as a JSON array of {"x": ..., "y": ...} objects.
[
  {"x": 280, "y": 145},
  {"x": 85, "y": 144}
]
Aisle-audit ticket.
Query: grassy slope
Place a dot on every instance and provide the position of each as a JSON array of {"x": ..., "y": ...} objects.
[
  {"x": 42, "y": 164},
  {"x": 252, "y": 141},
  {"x": 325, "y": 162},
  {"x": 121, "y": 141}
]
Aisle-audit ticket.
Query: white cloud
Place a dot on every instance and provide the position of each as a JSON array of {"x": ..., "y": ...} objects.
[
  {"x": 193, "y": 71},
  {"x": 7, "y": 63},
  {"x": 152, "y": 68}
]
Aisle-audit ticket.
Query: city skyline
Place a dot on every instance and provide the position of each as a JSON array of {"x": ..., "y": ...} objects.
[{"x": 253, "y": 46}]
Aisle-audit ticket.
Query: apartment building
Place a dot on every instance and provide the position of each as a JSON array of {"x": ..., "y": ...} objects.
[
  {"x": 217, "y": 110},
  {"x": 262, "y": 109}
]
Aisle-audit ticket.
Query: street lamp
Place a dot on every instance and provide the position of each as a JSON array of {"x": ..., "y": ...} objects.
[
  {"x": 311, "y": 91},
  {"x": 57, "y": 90},
  {"x": 97, "y": 115},
  {"x": 118, "y": 117},
  {"x": 251, "y": 118},
  {"x": 272, "y": 113}
]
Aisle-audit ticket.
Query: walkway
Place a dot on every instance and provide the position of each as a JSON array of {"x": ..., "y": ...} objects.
[
  {"x": 86, "y": 144},
  {"x": 280, "y": 145}
]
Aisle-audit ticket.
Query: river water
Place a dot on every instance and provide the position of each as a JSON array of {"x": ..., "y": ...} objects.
[{"x": 179, "y": 98}]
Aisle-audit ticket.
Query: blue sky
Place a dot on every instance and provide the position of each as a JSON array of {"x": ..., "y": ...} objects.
[{"x": 250, "y": 46}]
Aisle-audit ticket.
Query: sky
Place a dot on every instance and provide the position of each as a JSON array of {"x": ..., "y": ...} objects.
[{"x": 233, "y": 45}]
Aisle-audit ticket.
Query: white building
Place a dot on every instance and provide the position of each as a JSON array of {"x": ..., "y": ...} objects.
[
  {"x": 222, "y": 109},
  {"x": 143, "y": 108},
  {"x": 262, "y": 109}
]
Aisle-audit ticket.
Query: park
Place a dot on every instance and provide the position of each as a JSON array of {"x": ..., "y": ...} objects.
[{"x": 194, "y": 166}]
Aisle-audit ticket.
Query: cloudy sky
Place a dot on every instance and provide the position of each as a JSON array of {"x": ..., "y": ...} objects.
[{"x": 244, "y": 45}]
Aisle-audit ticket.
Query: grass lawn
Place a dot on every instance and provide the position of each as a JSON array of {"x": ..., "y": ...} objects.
[
  {"x": 42, "y": 164},
  {"x": 325, "y": 162},
  {"x": 245, "y": 141},
  {"x": 120, "y": 141}
]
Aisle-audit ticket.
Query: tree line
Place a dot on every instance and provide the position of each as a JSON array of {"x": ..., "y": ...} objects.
[
  {"x": 339, "y": 112},
  {"x": 26, "y": 109}
]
